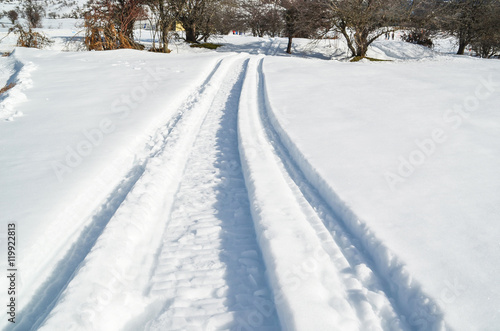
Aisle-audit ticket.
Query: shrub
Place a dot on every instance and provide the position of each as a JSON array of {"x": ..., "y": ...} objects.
[
  {"x": 108, "y": 26},
  {"x": 33, "y": 13},
  {"x": 7, "y": 87},
  {"x": 13, "y": 16},
  {"x": 419, "y": 37},
  {"x": 30, "y": 38}
]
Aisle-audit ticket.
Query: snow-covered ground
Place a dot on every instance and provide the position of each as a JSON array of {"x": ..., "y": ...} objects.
[
  {"x": 407, "y": 156},
  {"x": 246, "y": 189}
]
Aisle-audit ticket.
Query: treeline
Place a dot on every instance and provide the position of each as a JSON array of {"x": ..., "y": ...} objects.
[
  {"x": 109, "y": 24},
  {"x": 474, "y": 23}
]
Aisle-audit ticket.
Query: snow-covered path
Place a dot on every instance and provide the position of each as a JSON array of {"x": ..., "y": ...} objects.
[
  {"x": 182, "y": 245},
  {"x": 336, "y": 281},
  {"x": 221, "y": 222},
  {"x": 210, "y": 272},
  {"x": 204, "y": 269}
]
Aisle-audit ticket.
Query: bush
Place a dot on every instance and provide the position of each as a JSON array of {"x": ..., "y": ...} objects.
[
  {"x": 33, "y": 13},
  {"x": 419, "y": 37},
  {"x": 30, "y": 38},
  {"x": 7, "y": 87},
  {"x": 13, "y": 16},
  {"x": 108, "y": 26}
]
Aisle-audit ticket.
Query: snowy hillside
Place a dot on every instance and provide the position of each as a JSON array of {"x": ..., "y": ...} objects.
[{"x": 246, "y": 189}]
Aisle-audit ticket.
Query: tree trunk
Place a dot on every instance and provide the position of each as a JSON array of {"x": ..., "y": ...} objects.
[
  {"x": 461, "y": 47},
  {"x": 361, "y": 50},
  {"x": 289, "y": 47},
  {"x": 361, "y": 40},
  {"x": 343, "y": 29},
  {"x": 190, "y": 33},
  {"x": 164, "y": 38},
  {"x": 291, "y": 15}
]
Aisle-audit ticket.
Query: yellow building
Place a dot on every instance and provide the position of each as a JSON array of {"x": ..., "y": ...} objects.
[{"x": 178, "y": 27}]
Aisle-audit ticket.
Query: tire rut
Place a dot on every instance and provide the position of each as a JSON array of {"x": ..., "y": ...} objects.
[
  {"x": 210, "y": 273},
  {"x": 47, "y": 297},
  {"x": 373, "y": 295}
]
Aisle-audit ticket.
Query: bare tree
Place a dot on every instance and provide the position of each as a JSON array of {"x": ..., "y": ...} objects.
[
  {"x": 196, "y": 17},
  {"x": 13, "y": 16},
  {"x": 487, "y": 40},
  {"x": 125, "y": 14},
  {"x": 293, "y": 21},
  {"x": 225, "y": 17},
  {"x": 109, "y": 24},
  {"x": 424, "y": 23},
  {"x": 164, "y": 18},
  {"x": 462, "y": 20},
  {"x": 361, "y": 22},
  {"x": 471, "y": 21},
  {"x": 303, "y": 19},
  {"x": 33, "y": 12},
  {"x": 262, "y": 17},
  {"x": 274, "y": 18}
]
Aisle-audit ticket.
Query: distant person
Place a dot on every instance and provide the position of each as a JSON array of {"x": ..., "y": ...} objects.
[{"x": 393, "y": 35}]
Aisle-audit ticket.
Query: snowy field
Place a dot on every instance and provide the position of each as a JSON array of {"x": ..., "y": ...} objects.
[{"x": 246, "y": 189}]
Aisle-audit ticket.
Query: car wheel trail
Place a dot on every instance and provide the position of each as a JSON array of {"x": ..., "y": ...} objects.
[
  {"x": 379, "y": 288},
  {"x": 108, "y": 277},
  {"x": 93, "y": 216},
  {"x": 331, "y": 276},
  {"x": 210, "y": 274}
]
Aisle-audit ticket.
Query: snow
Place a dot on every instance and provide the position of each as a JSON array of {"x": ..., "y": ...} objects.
[
  {"x": 93, "y": 141},
  {"x": 315, "y": 294},
  {"x": 411, "y": 152},
  {"x": 199, "y": 286},
  {"x": 249, "y": 189}
]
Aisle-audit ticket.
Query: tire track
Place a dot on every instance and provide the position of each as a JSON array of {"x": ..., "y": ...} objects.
[
  {"x": 307, "y": 288},
  {"x": 210, "y": 274},
  {"x": 381, "y": 302},
  {"x": 45, "y": 301}
]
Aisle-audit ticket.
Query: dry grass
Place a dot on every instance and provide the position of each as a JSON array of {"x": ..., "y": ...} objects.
[
  {"x": 7, "y": 87},
  {"x": 159, "y": 50},
  {"x": 359, "y": 58},
  {"x": 206, "y": 45}
]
